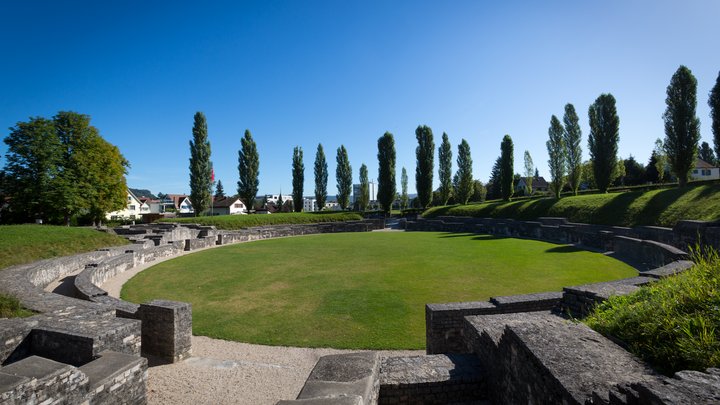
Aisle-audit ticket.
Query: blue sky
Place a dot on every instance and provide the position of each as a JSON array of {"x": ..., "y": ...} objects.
[{"x": 344, "y": 72}]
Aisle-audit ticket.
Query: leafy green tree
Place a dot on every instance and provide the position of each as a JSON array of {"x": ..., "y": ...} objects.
[
  {"x": 425, "y": 154},
  {"x": 714, "y": 103},
  {"x": 706, "y": 153},
  {"x": 200, "y": 166},
  {"x": 298, "y": 176},
  {"x": 506, "y": 168},
  {"x": 321, "y": 176},
  {"x": 463, "y": 177},
  {"x": 343, "y": 176},
  {"x": 660, "y": 159},
  {"x": 493, "y": 184},
  {"x": 219, "y": 190},
  {"x": 682, "y": 126},
  {"x": 634, "y": 172},
  {"x": 363, "y": 199},
  {"x": 248, "y": 169},
  {"x": 572, "y": 137},
  {"x": 386, "y": 172},
  {"x": 529, "y": 169},
  {"x": 404, "y": 186},
  {"x": 603, "y": 139},
  {"x": 445, "y": 170},
  {"x": 104, "y": 172},
  {"x": 556, "y": 152},
  {"x": 479, "y": 192}
]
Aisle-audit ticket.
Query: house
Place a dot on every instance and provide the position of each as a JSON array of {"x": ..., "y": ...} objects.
[
  {"x": 539, "y": 184},
  {"x": 134, "y": 209},
  {"x": 309, "y": 205},
  {"x": 227, "y": 206},
  {"x": 704, "y": 171},
  {"x": 181, "y": 203}
]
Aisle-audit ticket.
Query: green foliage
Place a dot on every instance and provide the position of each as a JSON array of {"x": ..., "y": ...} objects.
[
  {"x": 479, "y": 192},
  {"x": 290, "y": 291},
  {"x": 200, "y": 166},
  {"x": 603, "y": 139},
  {"x": 246, "y": 221},
  {"x": 682, "y": 126},
  {"x": 425, "y": 155},
  {"x": 21, "y": 244},
  {"x": 507, "y": 169},
  {"x": 343, "y": 176},
  {"x": 386, "y": 172},
  {"x": 363, "y": 200},
  {"x": 10, "y": 308},
  {"x": 493, "y": 185},
  {"x": 219, "y": 190},
  {"x": 706, "y": 153},
  {"x": 321, "y": 176},
  {"x": 557, "y": 153},
  {"x": 660, "y": 159},
  {"x": 298, "y": 178},
  {"x": 248, "y": 169},
  {"x": 714, "y": 103},
  {"x": 463, "y": 177},
  {"x": 572, "y": 138},
  {"x": 673, "y": 324},
  {"x": 404, "y": 200},
  {"x": 445, "y": 169},
  {"x": 529, "y": 169},
  {"x": 662, "y": 207}
]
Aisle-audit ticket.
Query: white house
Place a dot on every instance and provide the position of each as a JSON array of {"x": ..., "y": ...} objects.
[
  {"x": 181, "y": 203},
  {"x": 134, "y": 209},
  {"x": 309, "y": 205},
  {"x": 227, "y": 206},
  {"x": 704, "y": 171},
  {"x": 372, "y": 190},
  {"x": 538, "y": 184}
]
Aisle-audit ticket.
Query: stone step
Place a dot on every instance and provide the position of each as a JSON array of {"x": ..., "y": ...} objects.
[
  {"x": 116, "y": 378},
  {"x": 36, "y": 379}
]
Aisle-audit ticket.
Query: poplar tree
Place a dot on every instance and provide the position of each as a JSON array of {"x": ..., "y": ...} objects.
[
  {"x": 706, "y": 153},
  {"x": 343, "y": 176},
  {"x": 298, "y": 178},
  {"x": 386, "y": 172},
  {"x": 603, "y": 140},
  {"x": 200, "y": 166},
  {"x": 714, "y": 103},
  {"x": 425, "y": 154},
  {"x": 529, "y": 170},
  {"x": 404, "y": 187},
  {"x": 463, "y": 177},
  {"x": 321, "y": 177},
  {"x": 660, "y": 159},
  {"x": 363, "y": 199},
  {"x": 249, "y": 169},
  {"x": 506, "y": 168},
  {"x": 573, "y": 151},
  {"x": 556, "y": 152},
  {"x": 682, "y": 126},
  {"x": 445, "y": 169},
  {"x": 219, "y": 190}
]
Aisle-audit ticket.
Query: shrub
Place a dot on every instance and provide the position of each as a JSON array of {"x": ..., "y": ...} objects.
[{"x": 10, "y": 307}]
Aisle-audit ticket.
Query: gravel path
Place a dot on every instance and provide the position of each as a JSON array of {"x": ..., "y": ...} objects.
[{"x": 225, "y": 372}]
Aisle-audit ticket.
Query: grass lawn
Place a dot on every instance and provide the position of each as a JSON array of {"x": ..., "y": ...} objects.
[
  {"x": 28, "y": 243},
  {"x": 657, "y": 207},
  {"x": 247, "y": 221},
  {"x": 357, "y": 290}
]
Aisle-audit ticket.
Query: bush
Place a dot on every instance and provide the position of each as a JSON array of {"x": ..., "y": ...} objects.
[
  {"x": 673, "y": 324},
  {"x": 247, "y": 221}
]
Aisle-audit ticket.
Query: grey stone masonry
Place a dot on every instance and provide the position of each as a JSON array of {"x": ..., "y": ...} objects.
[
  {"x": 342, "y": 378},
  {"x": 686, "y": 387},
  {"x": 166, "y": 329},
  {"x": 36, "y": 380},
  {"x": 578, "y": 301},
  {"x": 433, "y": 379},
  {"x": 116, "y": 378},
  {"x": 669, "y": 269}
]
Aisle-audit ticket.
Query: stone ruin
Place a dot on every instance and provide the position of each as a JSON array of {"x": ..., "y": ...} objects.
[{"x": 94, "y": 348}]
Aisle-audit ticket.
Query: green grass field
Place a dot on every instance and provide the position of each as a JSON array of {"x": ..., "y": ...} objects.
[
  {"x": 357, "y": 290},
  {"x": 247, "y": 221},
  {"x": 657, "y": 207},
  {"x": 28, "y": 243}
]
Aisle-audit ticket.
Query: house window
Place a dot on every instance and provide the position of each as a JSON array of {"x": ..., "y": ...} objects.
[
  {"x": 129, "y": 198},
  {"x": 706, "y": 172},
  {"x": 131, "y": 208},
  {"x": 695, "y": 171},
  {"x": 238, "y": 205}
]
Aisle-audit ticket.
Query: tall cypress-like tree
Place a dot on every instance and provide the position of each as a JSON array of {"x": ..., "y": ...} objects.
[
  {"x": 219, "y": 190},
  {"x": 706, "y": 153},
  {"x": 386, "y": 172},
  {"x": 200, "y": 166},
  {"x": 493, "y": 184},
  {"x": 298, "y": 178},
  {"x": 529, "y": 170},
  {"x": 363, "y": 199},
  {"x": 321, "y": 177},
  {"x": 445, "y": 169},
  {"x": 556, "y": 152},
  {"x": 682, "y": 126},
  {"x": 249, "y": 169},
  {"x": 343, "y": 176},
  {"x": 714, "y": 103},
  {"x": 572, "y": 138},
  {"x": 463, "y": 177},
  {"x": 425, "y": 154},
  {"x": 404, "y": 199},
  {"x": 660, "y": 159},
  {"x": 506, "y": 168},
  {"x": 603, "y": 140}
]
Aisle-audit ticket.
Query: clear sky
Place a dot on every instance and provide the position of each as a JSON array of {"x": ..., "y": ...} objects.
[{"x": 344, "y": 72}]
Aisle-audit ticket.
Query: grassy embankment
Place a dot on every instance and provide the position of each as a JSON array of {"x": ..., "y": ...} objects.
[
  {"x": 657, "y": 207},
  {"x": 357, "y": 290},
  {"x": 21, "y": 244},
  {"x": 673, "y": 324},
  {"x": 247, "y": 221}
]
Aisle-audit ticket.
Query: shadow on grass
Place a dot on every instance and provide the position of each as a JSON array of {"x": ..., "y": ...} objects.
[
  {"x": 563, "y": 249},
  {"x": 612, "y": 211}
]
